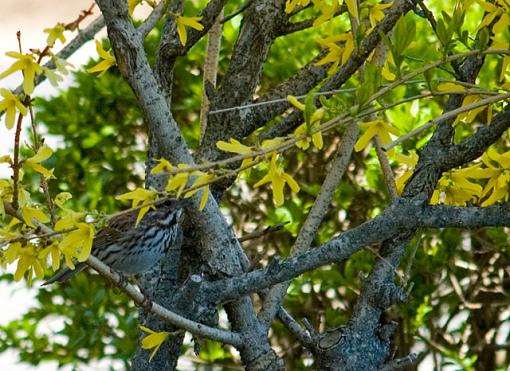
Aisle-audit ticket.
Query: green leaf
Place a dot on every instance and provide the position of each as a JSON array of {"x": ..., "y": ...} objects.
[
  {"x": 309, "y": 107},
  {"x": 371, "y": 83},
  {"x": 404, "y": 34}
]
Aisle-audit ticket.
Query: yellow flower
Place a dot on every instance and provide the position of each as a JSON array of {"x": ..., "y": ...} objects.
[
  {"x": 278, "y": 178},
  {"x": 77, "y": 244},
  {"x": 376, "y": 13},
  {"x": 352, "y": 8},
  {"x": 153, "y": 340},
  {"x": 61, "y": 65},
  {"x": 377, "y": 127},
  {"x": 290, "y": 5},
  {"x": 54, "y": 33},
  {"x": 54, "y": 251},
  {"x": 498, "y": 172},
  {"x": 470, "y": 115},
  {"x": 328, "y": 11},
  {"x": 5, "y": 189},
  {"x": 139, "y": 195},
  {"x": 336, "y": 53},
  {"x": 61, "y": 198},
  {"x": 270, "y": 143},
  {"x": 12, "y": 252},
  {"x": 500, "y": 9},
  {"x": 28, "y": 262},
  {"x": 9, "y": 104},
  {"x": 202, "y": 178},
  {"x": 235, "y": 146},
  {"x": 295, "y": 102},
  {"x": 108, "y": 60},
  {"x": 163, "y": 166},
  {"x": 30, "y": 212},
  {"x": 177, "y": 181},
  {"x": 183, "y": 22},
  {"x": 26, "y": 63},
  {"x": 456, "y": 188},
  {"x": 312, "y": 121},
  {"x": 499, "y": 43},
  {"x": 410, "y": 161},
  {"x": 69, "y": 220},
  {"x": 316, "y": 138},
  {"x": 34, "y": 162},
  {"x": 71, "y": 243},
  {"x": 53, "y": 77}
]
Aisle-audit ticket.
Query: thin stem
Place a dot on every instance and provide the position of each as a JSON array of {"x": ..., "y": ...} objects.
[
  {"x": 218, "y": 334},
  {"x": 210, "y": 70},
  {"x": 447, "y": 115},
  {"x": 237, "y": 12},
  {"x": 430, "y": 66},
  {"x": 262, "y": 232},
  {"x": 389, "y": 179},
  {"x": 44, "y": 181},
  {"x": 16, "y": 164}
]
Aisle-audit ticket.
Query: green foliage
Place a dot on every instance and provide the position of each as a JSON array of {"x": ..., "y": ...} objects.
[
  {"x": 403, "y": 34},
  {"x": 68, "y": 310},
  {"x": 103, "y": 148}
]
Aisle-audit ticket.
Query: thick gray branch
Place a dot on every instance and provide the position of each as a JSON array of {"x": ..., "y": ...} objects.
[
  {"x": 218, "y": 246},
  {"x": 258, "y": 31},
  {"x": 170, "y": 46},
  {"x": 474, "y": 146},
  {"x": 355, "y": 61},
  {"x": 402, "y": 216},
  {"x": 311, "y": 225}
]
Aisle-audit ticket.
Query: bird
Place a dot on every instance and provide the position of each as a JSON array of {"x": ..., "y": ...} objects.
[{"x": 131, "y": 248}]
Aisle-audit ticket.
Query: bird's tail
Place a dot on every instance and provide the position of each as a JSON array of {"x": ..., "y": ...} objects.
[{"x": 64, "y": 274}]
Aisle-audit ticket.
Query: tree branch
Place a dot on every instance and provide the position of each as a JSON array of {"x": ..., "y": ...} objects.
[
  {"x": 402, "y": 216},
  {"x": 83, "y": 36},
  {"x": 310, "y": 227},
  {"x": 194, "y": 327}
]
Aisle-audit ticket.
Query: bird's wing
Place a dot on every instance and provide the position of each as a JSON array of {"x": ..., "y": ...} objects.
[{"x": 116, "y": 229}]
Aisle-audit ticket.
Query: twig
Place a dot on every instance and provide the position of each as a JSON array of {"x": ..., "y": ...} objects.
[
  {"x": 339, "y": 165},
  {"x": 428, "y": 14},
  {"x": 153, "y": 18},
  {"x": 407, "y": 272},
  {"x": 224, "y": 336},
  {"x": 262, "y": 232},
  {"x": 71, "y": 26},
  {"x": 237, "y": 12},
  {"x": 82, "y": 37},
  {"x": 210, "y": 70},
  {"x": 433, "y": 65},
  {"x": 400, "y": 363},
  {"x": 386, "y": 261},
  {"x": 289, "y": 143},
  {"x": 447, "y": 115},
  {"x": 295, "y": 329},
  {"x": 425, "y": 95},
  {"x": 16, "y": 165},
  {"x": 389, "y": 179},
  {"x": 31, "y": 236},
  {"x": 44, "y": 181}
]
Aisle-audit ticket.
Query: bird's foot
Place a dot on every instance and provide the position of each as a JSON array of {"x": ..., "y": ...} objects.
[
  {"x": 147, "y": 302},
  {"x": 122, "y": 282}
]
